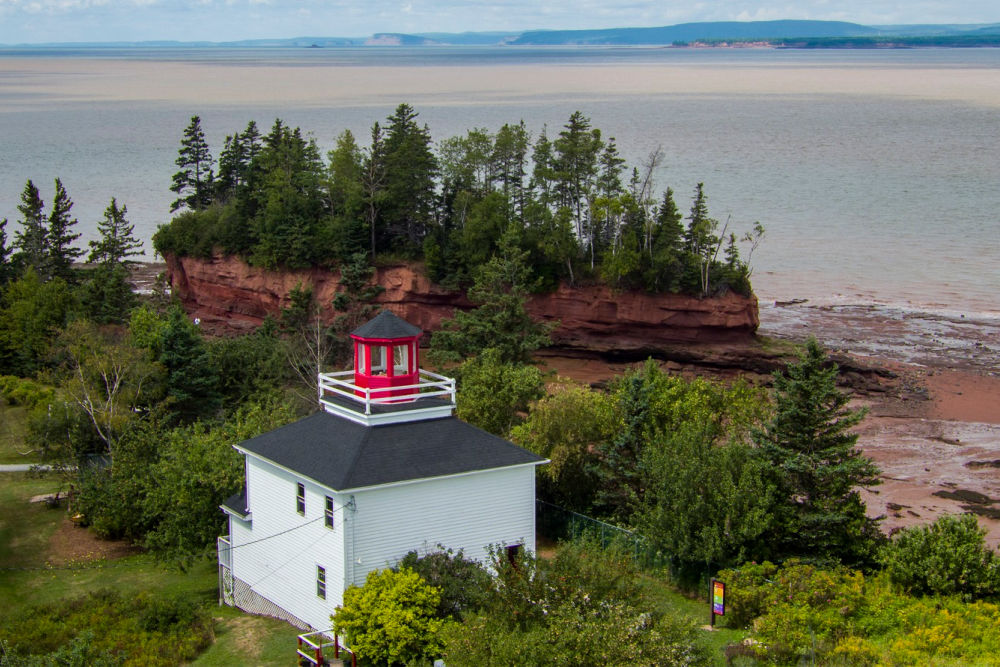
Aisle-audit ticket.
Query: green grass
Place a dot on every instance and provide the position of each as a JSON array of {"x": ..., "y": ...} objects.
[
  {"x": 25, "y": 527},
  {"x": 659, "y": 592},
  {"x": 26, "y": 580},
  {"x": 250, "y": 640},
  {"x": 13, "y": 425}
]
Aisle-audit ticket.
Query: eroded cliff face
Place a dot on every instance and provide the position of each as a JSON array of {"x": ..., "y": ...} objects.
[{"x": 228, "y": 295}]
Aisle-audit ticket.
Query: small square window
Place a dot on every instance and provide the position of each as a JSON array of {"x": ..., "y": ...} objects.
[
  {"x": 321, "y": 581},
  {"x": 328, "y": 513},
  {"x": 300, "y": 499}
]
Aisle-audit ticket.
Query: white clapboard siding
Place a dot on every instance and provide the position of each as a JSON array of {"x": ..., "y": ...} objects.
[
  {"x": 469, "y": 512},
  {"x": 282, "y": 567}
]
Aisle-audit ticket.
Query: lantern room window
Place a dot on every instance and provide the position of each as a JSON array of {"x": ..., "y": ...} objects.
[
  {"x": 377, "y": 353},
  {"x": 400, "y": 359}
]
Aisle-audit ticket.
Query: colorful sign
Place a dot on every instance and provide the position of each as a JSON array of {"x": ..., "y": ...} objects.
[{"x": 718, "y": 598}]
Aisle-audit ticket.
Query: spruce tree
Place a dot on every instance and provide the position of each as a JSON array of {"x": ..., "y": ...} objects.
[
  {"x": 501, "y": 320},
  {"x": 816, "y": 464},
  {"x": 410, "y": 169},
  {"x": 31, "y": 240},
  {"x": 5, "y": 251},
  {"x": 117, "y": 243},
  {"x": 195, "y": 180},
  {"x": 191, "y": 379},
  {"x": 60, "y": 248}
]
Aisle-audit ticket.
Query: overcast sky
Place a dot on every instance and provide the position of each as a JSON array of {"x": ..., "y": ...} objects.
[{"x": 26, "y": 21}]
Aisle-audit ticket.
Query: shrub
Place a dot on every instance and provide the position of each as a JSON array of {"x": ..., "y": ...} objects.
[
  {"x": 463, "y": 583},
  {"x": 392, "y": 618},
  {"x": 947, "y": 557},
  {"x": 19, "y": 391},
  {"x": 105, "y": 628},
  {"x": 796, "y": 610}
]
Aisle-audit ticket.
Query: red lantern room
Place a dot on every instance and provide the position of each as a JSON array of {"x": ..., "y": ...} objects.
[{"x": 385, "y": 357}]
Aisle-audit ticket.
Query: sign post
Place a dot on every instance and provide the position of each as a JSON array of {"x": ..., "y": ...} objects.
[{"x": 718, "y": 599}]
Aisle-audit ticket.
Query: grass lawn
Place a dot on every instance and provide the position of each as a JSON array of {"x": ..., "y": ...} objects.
[
  {"x": 250, "y": 640},
  {"x": 29, "y": 544},
  {"x": 661, "y": 594}
]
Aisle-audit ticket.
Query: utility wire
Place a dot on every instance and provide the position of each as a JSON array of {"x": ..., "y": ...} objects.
[{"x": 99, "y": 565}]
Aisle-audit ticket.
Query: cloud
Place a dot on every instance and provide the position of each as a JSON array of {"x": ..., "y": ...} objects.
[{"x": 221, "y": 20}]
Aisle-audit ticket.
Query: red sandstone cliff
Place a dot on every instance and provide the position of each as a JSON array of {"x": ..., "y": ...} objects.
[{"x": 228, "y": 295}]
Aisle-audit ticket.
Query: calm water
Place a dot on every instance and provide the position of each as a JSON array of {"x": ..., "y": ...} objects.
[{"x": 876, "y": 173}]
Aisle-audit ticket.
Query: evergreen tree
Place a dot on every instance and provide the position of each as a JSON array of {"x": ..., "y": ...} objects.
[
  {"x": 31, "y": 240},
  {"x": 373, "y": 185},
  {"x": 290, "y": 202},
  {"x": 409, "y": 180},
  {"x": 619, "y": 473},
  {"x": 61, "y": 251},
  {"x": 194, "y": 183},
  {"x": 117, "y": 243},
  {"x": 510, "y": 150},
  {"x": 665, "y": 252},
  {"x": 191, "y": 379},
  {"x": 6, "y": 271},
  {"x": 500, "y": 321},
  {"x": 816, "y": 464},
  {"x": 232, "y": 166},
  {"x": 576, "y": 164},
  {"x": 346, "y": 194},
  {"x": 108, "y": 296},
  {"x": 543, "y": 172},
  {"x": 700, "y": 239}
]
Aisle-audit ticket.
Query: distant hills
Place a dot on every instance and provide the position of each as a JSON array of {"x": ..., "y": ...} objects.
[{"x": 789, "y": 34}]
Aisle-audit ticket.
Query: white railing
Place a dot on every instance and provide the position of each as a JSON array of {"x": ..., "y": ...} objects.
[
  {"x": 431, "y": 385},
  {"x": 225, "y": 553}
]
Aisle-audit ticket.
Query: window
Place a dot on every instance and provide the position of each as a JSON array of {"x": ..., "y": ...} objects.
[
  {"x": 328, "y": 513},
  {"x": 378, "y": 359},
  {"x": 300, "y": 499},
  {"x": 321, "y": 581},
  {"x": 400, "y": 359}
]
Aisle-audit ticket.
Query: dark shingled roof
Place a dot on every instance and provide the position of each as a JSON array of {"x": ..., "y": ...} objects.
[
  {"x": 237, "y": 504},
  {"x": 387, "y": 325},
  {"x": 341, "y": 454}
]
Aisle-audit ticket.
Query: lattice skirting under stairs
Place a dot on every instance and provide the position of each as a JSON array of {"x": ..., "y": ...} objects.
[{"x": 237, "y": 593}]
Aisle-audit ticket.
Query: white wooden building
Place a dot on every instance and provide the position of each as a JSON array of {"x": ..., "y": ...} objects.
[{"x": 383, "y": 469}]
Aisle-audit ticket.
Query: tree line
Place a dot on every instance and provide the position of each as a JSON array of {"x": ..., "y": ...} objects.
[{"x": 570, "y": 201}]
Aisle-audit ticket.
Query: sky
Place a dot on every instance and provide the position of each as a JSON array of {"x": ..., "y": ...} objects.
[{"x": 33, "y": 21}]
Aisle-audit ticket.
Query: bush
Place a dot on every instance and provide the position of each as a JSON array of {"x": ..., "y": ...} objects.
[
  {"x": 463, "y": 584},
  {"x": 580, "y": 607},
  {"x": 796, "y": 610},
  {"x": 105, "y": 628},
  {"x": 947, "y": 557},
  {"x": 837, "y": 617},
  {"x": 392, "y": 618},
  {"x": 28, "y": 393}
]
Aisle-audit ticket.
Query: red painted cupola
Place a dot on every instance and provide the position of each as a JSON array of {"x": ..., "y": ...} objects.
[
  {"x": 386, "y": 357},
  {"x": 387, "y": 385}
]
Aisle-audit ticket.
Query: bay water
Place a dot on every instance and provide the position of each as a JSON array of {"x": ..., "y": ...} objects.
[{"x": 875, "y": 173}]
